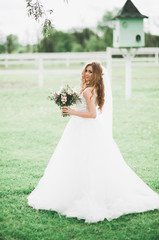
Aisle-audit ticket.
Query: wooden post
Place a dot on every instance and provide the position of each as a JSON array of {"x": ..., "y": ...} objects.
[
  {"x": 128, "y": 74},
  {"x": 109, "y": 63},
  {"x": 40, "y": 72}
]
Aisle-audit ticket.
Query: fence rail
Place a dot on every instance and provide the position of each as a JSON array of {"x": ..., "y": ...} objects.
[{"x": 144, "y": 57}]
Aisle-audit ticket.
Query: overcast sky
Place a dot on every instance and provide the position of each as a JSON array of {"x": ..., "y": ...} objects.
[{"x": 75, "y": 14}]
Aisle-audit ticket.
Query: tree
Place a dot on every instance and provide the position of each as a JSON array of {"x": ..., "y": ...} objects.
[
  {"x": 95, "y": 43},
  {"x": 151, "y": 40},
  {"x": 2, "y": 44},
  {"x": 81, "y": 37},
  {"x": 57, "y": 41},
  {"x": 12, "y": 43},
  {"x": 76, "y": 47},
  {"x": 105, "y": 27},
  {"x": 36, "y": 10}
]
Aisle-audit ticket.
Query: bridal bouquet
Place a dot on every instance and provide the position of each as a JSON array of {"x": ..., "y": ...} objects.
[{"x": 66, "y": 96}]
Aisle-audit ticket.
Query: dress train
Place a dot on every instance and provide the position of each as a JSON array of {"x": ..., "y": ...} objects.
[{"x": 87, "y": 177}]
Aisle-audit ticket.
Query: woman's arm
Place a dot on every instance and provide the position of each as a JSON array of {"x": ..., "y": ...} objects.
[{"x": 91, "y": 113}]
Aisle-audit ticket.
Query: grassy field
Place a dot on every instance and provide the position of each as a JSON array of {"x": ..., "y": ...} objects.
[{"x": 30, "y": 128}]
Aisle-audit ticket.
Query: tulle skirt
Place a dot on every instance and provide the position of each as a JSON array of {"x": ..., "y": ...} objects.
[{"x": 87, "y": 177}]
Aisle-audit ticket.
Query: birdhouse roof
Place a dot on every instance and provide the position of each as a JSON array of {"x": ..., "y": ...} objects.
[{"x": 129, "y": 11}]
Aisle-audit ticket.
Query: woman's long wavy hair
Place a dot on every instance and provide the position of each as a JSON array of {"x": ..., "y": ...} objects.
[{"x": 96, "y": 83}]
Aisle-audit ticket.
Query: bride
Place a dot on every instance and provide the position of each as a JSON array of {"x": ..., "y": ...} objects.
[{"x": 87, "y": 177}]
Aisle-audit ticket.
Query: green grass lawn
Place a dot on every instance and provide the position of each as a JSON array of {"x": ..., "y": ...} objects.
[{"x": 30, "y": 128}]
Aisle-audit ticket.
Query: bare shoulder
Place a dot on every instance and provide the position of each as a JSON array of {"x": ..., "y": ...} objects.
[
  {"x": 87, "y": 91},
  {"x": 87, "y": 94}
]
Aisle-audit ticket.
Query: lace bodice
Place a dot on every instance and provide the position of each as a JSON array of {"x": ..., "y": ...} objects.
[{"x": 82, "y": 106}]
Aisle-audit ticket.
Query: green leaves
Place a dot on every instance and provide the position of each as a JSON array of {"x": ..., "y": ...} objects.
[
  {"x": 35, "y": 9},
  {"x": 38, "y": 12},
  {"x": 47, "y": 27}
]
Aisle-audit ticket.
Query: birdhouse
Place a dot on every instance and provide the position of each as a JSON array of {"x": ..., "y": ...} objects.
[{"x": 128, "y": 27}]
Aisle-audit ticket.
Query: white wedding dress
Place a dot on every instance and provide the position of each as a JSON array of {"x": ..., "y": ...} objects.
[{"x": 87, "y": 177}]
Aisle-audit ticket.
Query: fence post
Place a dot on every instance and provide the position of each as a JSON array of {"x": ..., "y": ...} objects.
[
  {"x": 157, "y": 57},
  {"x": 6, "y": 61},
  {"x": 109, "y": 63},
  {"x": 68, "y": 59},
  {"x": 128, "y": 77},
  {"x": 40, "y": 72}
]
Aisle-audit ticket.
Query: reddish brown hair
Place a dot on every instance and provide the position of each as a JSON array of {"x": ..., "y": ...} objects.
[{"x": 96, "y": 83}]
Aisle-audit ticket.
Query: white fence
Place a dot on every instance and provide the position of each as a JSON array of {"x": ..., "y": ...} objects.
[{"x": 39, "y": 59}]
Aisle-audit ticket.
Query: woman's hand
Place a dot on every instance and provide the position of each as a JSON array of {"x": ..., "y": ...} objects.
[{"x": 68, "y": 110}]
